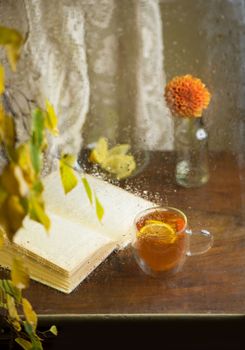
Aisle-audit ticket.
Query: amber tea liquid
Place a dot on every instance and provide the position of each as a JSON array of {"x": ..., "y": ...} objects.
[{"x": 161, "y": 255}]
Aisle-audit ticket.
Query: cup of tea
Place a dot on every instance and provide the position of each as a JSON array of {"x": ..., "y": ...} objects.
[{"x": 162, "y": 240}]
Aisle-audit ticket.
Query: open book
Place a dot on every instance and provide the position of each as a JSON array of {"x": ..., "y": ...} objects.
[{"x": 77, "y": 242}]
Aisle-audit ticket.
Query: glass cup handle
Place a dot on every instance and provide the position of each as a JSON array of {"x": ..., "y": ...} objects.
[{"x": 206, "y": 236}]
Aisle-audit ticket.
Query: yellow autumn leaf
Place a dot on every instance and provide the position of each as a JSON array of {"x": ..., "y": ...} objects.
[
  {"x": 13, "y": 181},
  {"x": 19, "y": 273},
  {"x": 12, "y": 40},
  {"x": 25, "y": 163},
  {"x": 16, "y": 324},
  {"x": 11, "y": 307},
  {"x": 51, "y": 119},
  {"x": 114, "y": 160},
  {"x": 1, "y": 237},
  {"x": 120, "y": 165},
  {"x": 1, "y": 79},
  {"x": 37, "y": 211},
  {"x": 67, "y": 173},
  {"x": 119, "y": 149},
  {"x": 1, "y": 115},
  {"x": 30, "y": 315},
  {"x": 53, "y": 330},
  {"x": 99, "y": 209},
  {"x": 100, "y": 151},
  {"x": 1, "y": 120},
  {"x": 1, "y": 123},
  {"x": 13, "y": 54},
  {"x": 25, "y": 344},
  {"x": 13, "y": 314},
  {"x": 12, "y": 215},
  {"x": 88, "y": 189},
  {"x": 10, "y": 36},
  {"x": 7, "y": 129},
  {"x": 3, "y": 195}
]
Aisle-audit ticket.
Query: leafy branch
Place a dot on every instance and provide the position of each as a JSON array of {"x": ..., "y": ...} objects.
[
  {"x": 14, "y": 304},
  {"x": 21, "y": 192}
]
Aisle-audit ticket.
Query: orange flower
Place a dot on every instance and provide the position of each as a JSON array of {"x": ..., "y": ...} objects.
[{"x": 187, "y": 96}]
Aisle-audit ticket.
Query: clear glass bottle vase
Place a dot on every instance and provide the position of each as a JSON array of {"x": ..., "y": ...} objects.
[{"x": 191, "y": 146}]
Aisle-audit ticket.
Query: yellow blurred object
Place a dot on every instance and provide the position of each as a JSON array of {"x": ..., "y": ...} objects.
[
  {"x": 119, "y": 150},
  {"x": 12, "y": 41},
  {"x": 115, "y": 160},
  {"x": 2, "y": 78},
  {"x": 51, "y": 119},
  {"x": 99, "y": 153},
  {"x": 120, "y": 165}
]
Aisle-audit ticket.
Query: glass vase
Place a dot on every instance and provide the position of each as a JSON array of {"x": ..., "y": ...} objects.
[{"x": 191, "y": 145}]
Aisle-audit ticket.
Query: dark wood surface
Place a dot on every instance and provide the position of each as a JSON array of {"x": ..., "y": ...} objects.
[{"x": 213, "y": 283}]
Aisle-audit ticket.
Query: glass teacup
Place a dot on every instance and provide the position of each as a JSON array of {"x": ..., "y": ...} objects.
[{"x": 162, "y": 240}]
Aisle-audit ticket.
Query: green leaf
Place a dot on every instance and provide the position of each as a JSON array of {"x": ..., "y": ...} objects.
[
  {"x": 28, "y": 328},
  {"x": 38, "y": 127},
  {"x": 51, "y": 119},
  {"x": 19, "y": 273},
  {"x": 8, "y": 287},
  {"x": 35, "y": 341},
  {"x": 37, "y": 140},
  {"x": 88, "y": 189},
  {"x": 12, "y": 40},
  {"x": 25, "y": 344},
  {"x": 36, "y": 344},
  {"x": 53, "y": 330},
  {"x": 1, "y": 80},
  {"x": 3, "y": 305},
  {"x": 99, "y": 209},
  {"x": 38, "y": 187},
  {"x": 36, "y": 158},
  {"x": 67, "y": 173}
]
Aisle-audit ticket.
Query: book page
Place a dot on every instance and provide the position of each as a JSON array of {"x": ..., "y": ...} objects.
[
  {"x": 66, "y": 246},
  {"x": 120, "y": 206}
]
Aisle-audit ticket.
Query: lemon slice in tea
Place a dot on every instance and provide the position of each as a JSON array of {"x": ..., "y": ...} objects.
[
  {"x": 157, "y": 230},
  {"x": 150, "y": 221},
  {"x": 100, "y": 152}
]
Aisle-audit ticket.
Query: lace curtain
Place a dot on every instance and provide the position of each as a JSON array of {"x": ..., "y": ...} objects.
[{"x": 100, "y": 63}]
